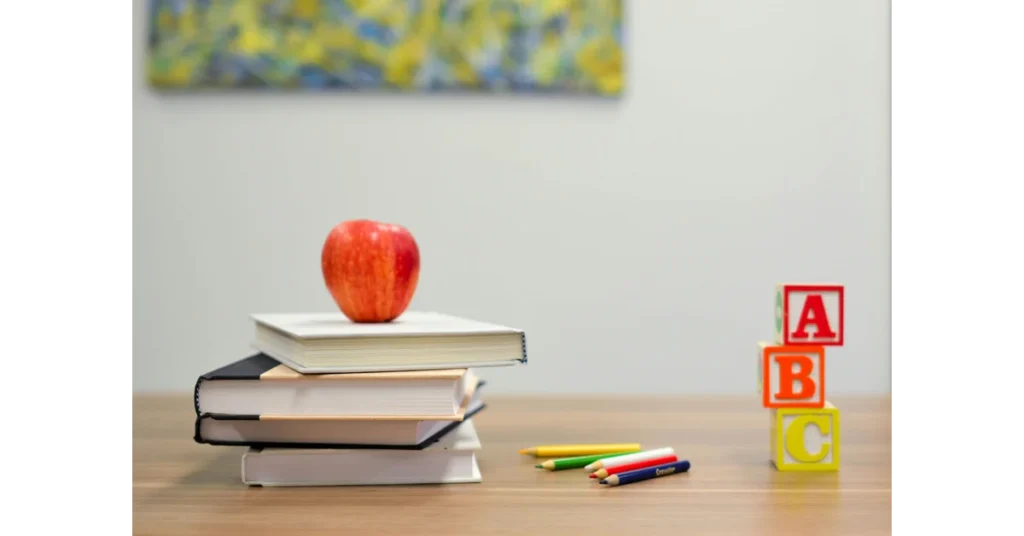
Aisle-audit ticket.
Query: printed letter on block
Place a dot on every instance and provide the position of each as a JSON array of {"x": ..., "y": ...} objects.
[
  {"x": 805, "y": 439},
  {"x": 809, "y": 314},
  {"x": 792, "y": 376}
]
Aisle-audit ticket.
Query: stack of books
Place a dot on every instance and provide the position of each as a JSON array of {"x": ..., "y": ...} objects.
[{"x": 329, "y": 402}]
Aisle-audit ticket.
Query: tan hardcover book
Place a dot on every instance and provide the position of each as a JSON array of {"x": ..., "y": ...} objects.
[{"x": 410, "y": 433}]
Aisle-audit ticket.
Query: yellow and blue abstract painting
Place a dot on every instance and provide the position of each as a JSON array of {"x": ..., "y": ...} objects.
[{"x": 539, "y": 46}]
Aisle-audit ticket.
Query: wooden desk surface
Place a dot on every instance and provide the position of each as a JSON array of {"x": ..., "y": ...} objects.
[{"x": 180, "y": 487}]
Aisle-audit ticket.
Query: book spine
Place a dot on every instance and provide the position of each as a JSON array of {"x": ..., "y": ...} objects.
[
  {"x": 195, "y": 397},
  {"x": 197, "y": 436}
]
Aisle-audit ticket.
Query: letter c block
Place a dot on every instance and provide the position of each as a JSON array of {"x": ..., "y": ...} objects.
[{"x": 805, "y": 439}]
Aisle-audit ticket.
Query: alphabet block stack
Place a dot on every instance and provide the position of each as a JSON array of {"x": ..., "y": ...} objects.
[{"x": 804, "y": 425}]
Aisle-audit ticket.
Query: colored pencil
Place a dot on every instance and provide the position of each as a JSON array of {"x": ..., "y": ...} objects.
[
  {"x": 578, "y": 461},
  {"x": 629, "y": 458},
  {"x": 550, "y": 451},
  {"x": 647, "y": 473},
  {"x": 603, "y": 473}
]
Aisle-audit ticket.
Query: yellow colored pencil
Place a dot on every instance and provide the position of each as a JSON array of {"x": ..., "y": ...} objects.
[{"x": 548, "y": 451}]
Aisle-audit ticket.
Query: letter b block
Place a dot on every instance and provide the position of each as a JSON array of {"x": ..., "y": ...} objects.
[
  {"x": 805, "y": 439},
  {"x": 792, "y": 376},
  {"x": 809, "y": 314}
]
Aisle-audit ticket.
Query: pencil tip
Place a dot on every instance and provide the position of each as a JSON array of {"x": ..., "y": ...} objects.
[
  {"x": 603, "y": 481},
  {"x": 593, "y": 476},
  {"x": 539, "y": 466}
]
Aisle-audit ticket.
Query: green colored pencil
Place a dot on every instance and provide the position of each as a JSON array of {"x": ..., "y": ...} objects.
[{"x": 578, "y": 461}]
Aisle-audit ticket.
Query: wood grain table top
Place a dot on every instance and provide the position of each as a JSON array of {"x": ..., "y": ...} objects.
[{"x": 180, "y": 487}]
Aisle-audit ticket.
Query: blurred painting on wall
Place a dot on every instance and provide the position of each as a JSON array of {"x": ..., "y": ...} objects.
[{"x": 535, "y": 46}]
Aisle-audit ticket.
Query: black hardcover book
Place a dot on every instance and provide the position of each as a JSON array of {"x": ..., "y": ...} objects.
[{"x": 260, "y": 403}]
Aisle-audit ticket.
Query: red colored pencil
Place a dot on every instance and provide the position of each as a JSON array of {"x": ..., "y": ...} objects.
[{"x": 603, "y": 473}]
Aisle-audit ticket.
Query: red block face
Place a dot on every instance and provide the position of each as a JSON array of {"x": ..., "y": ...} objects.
[
  {"x": 809, "y": 314},
  {"x": 793, "y": 376}
]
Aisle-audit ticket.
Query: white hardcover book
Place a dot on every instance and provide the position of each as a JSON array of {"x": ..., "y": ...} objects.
[
  {"x": 260, "y": 386},
  {"x": 416, "y": 340},
  {"x": 452, "y": 460}
]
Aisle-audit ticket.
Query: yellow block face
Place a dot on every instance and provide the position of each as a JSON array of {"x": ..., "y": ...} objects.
[{"x": 805, "y": 439}]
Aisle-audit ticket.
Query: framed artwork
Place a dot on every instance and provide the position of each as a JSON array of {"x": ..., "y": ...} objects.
[{"x": 534, "y": 46}]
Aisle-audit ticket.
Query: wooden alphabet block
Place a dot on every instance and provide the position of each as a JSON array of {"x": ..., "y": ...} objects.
[
  {"x": 809, "y": 314},
  {"x": 792, "y": 376},
  {"x": 805, "y": 439}
]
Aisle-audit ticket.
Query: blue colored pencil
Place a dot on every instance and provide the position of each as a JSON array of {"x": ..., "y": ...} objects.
[{"x": 647, "y": 473}]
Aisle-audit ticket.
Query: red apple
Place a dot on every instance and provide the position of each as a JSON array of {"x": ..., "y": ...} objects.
[{"x": 371, "y": 269}]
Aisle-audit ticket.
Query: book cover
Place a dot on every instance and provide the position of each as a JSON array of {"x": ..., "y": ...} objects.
[
  {"x": 261, "y": 381},
  {"x": 417, "y": 340},
  {"x": 334, "y": 325},
  {"x": 270, "y": 444},
  {"x": 450, "y": 460}
]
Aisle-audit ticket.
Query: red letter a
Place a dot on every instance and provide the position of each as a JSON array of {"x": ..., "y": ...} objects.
[{"x": 814, "y": 314}]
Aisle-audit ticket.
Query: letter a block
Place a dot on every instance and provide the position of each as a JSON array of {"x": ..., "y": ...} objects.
[
  {"x": 792, "y": 376},
  {"x": 809, "y": 314},
  {"x": 805, "y": 439}
]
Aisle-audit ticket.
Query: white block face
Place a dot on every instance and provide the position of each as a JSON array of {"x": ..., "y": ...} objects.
[
  {"x": 794, "y": 374},
  {"x": 813, "y": 440},
  {"x": 817, "y": 329}
]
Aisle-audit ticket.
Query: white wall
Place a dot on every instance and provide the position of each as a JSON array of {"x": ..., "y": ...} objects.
[
  {"x": 892, "y": 172},
  {"x": 638, "y": 242}
]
